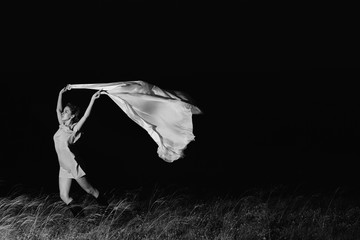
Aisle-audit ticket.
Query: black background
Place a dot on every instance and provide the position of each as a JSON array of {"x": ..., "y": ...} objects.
[
  {"x": 276, "y": 84},
  {"x": 257, "y": 129}
]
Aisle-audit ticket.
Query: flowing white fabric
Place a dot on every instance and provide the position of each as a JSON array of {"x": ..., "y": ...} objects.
[{"x": 165, "y": 116}]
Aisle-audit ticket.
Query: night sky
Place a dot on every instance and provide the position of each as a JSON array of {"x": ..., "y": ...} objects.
[
  {"x": 275, "y": 110},
  {"x": 258, "y": 128}
]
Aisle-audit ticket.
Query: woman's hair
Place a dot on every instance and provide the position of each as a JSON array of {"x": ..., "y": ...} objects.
[{"x": 75, "y": 110}]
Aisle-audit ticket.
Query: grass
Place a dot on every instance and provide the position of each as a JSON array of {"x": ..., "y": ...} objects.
[{"x": 258, "y": 215}]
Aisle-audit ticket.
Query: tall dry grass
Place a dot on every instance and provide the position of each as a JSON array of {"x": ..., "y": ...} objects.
[{"x": 259, "y": 215}]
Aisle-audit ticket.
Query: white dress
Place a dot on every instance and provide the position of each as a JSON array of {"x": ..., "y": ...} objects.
[{"x": 63, "y": 138}]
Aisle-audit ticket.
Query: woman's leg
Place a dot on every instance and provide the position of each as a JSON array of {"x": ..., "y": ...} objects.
[
  {"x": 84, "y": 184},
  {"x": 100, "y": 198},
  {"x": 64, "y": 187}
]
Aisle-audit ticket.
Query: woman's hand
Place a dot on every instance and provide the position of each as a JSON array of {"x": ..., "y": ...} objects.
[
  {"x": 67, "y": 88},
  {"x": 96, "y": 95}
]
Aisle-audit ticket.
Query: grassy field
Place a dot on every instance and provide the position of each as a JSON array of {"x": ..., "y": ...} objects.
[{"x": 256, "y": 215}]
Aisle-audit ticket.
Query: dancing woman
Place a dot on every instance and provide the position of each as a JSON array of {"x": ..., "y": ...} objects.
[{"x": 67, "y": 134}]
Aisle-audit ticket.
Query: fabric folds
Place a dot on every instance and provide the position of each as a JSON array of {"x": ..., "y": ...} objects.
[{"x": 167, "y": 117}]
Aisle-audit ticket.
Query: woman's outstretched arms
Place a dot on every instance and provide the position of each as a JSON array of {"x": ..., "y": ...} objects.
[
  {"x": 59, "y": 106},
  {"x": 78, "y": 126}
]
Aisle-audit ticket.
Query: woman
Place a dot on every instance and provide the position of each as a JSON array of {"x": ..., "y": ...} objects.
[{"x": 67, "y": 134}]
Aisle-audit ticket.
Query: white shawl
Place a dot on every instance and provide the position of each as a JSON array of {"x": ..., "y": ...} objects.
[{"x": 165, "y": 116}]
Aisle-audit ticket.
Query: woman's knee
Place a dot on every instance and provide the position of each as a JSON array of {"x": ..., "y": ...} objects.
[
  {"x": 87, "y": 189},
  {"x": 65, "y": 197},
  {"x": 91, "y": 190},
  {"x": 86, "y": 186}
]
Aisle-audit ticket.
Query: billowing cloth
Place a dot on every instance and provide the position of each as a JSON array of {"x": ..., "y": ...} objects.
[{"x": 167, "y": 117}]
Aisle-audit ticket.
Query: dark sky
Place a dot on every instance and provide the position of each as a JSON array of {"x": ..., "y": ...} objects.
[
  {"x": 276, "y": 108},
  {"x": 257, "y": 128}
]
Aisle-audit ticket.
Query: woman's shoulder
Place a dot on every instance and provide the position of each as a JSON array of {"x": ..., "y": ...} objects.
[{"x": 72, "y": 126}]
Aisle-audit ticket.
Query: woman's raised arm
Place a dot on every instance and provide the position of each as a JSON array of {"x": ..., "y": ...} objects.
[
  {"x": 87, "y": 112},
  {"x": 59, "y": 106}
]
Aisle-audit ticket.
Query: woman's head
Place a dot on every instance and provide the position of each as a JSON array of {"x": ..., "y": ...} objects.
[{"x": 70, "y": 112}]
